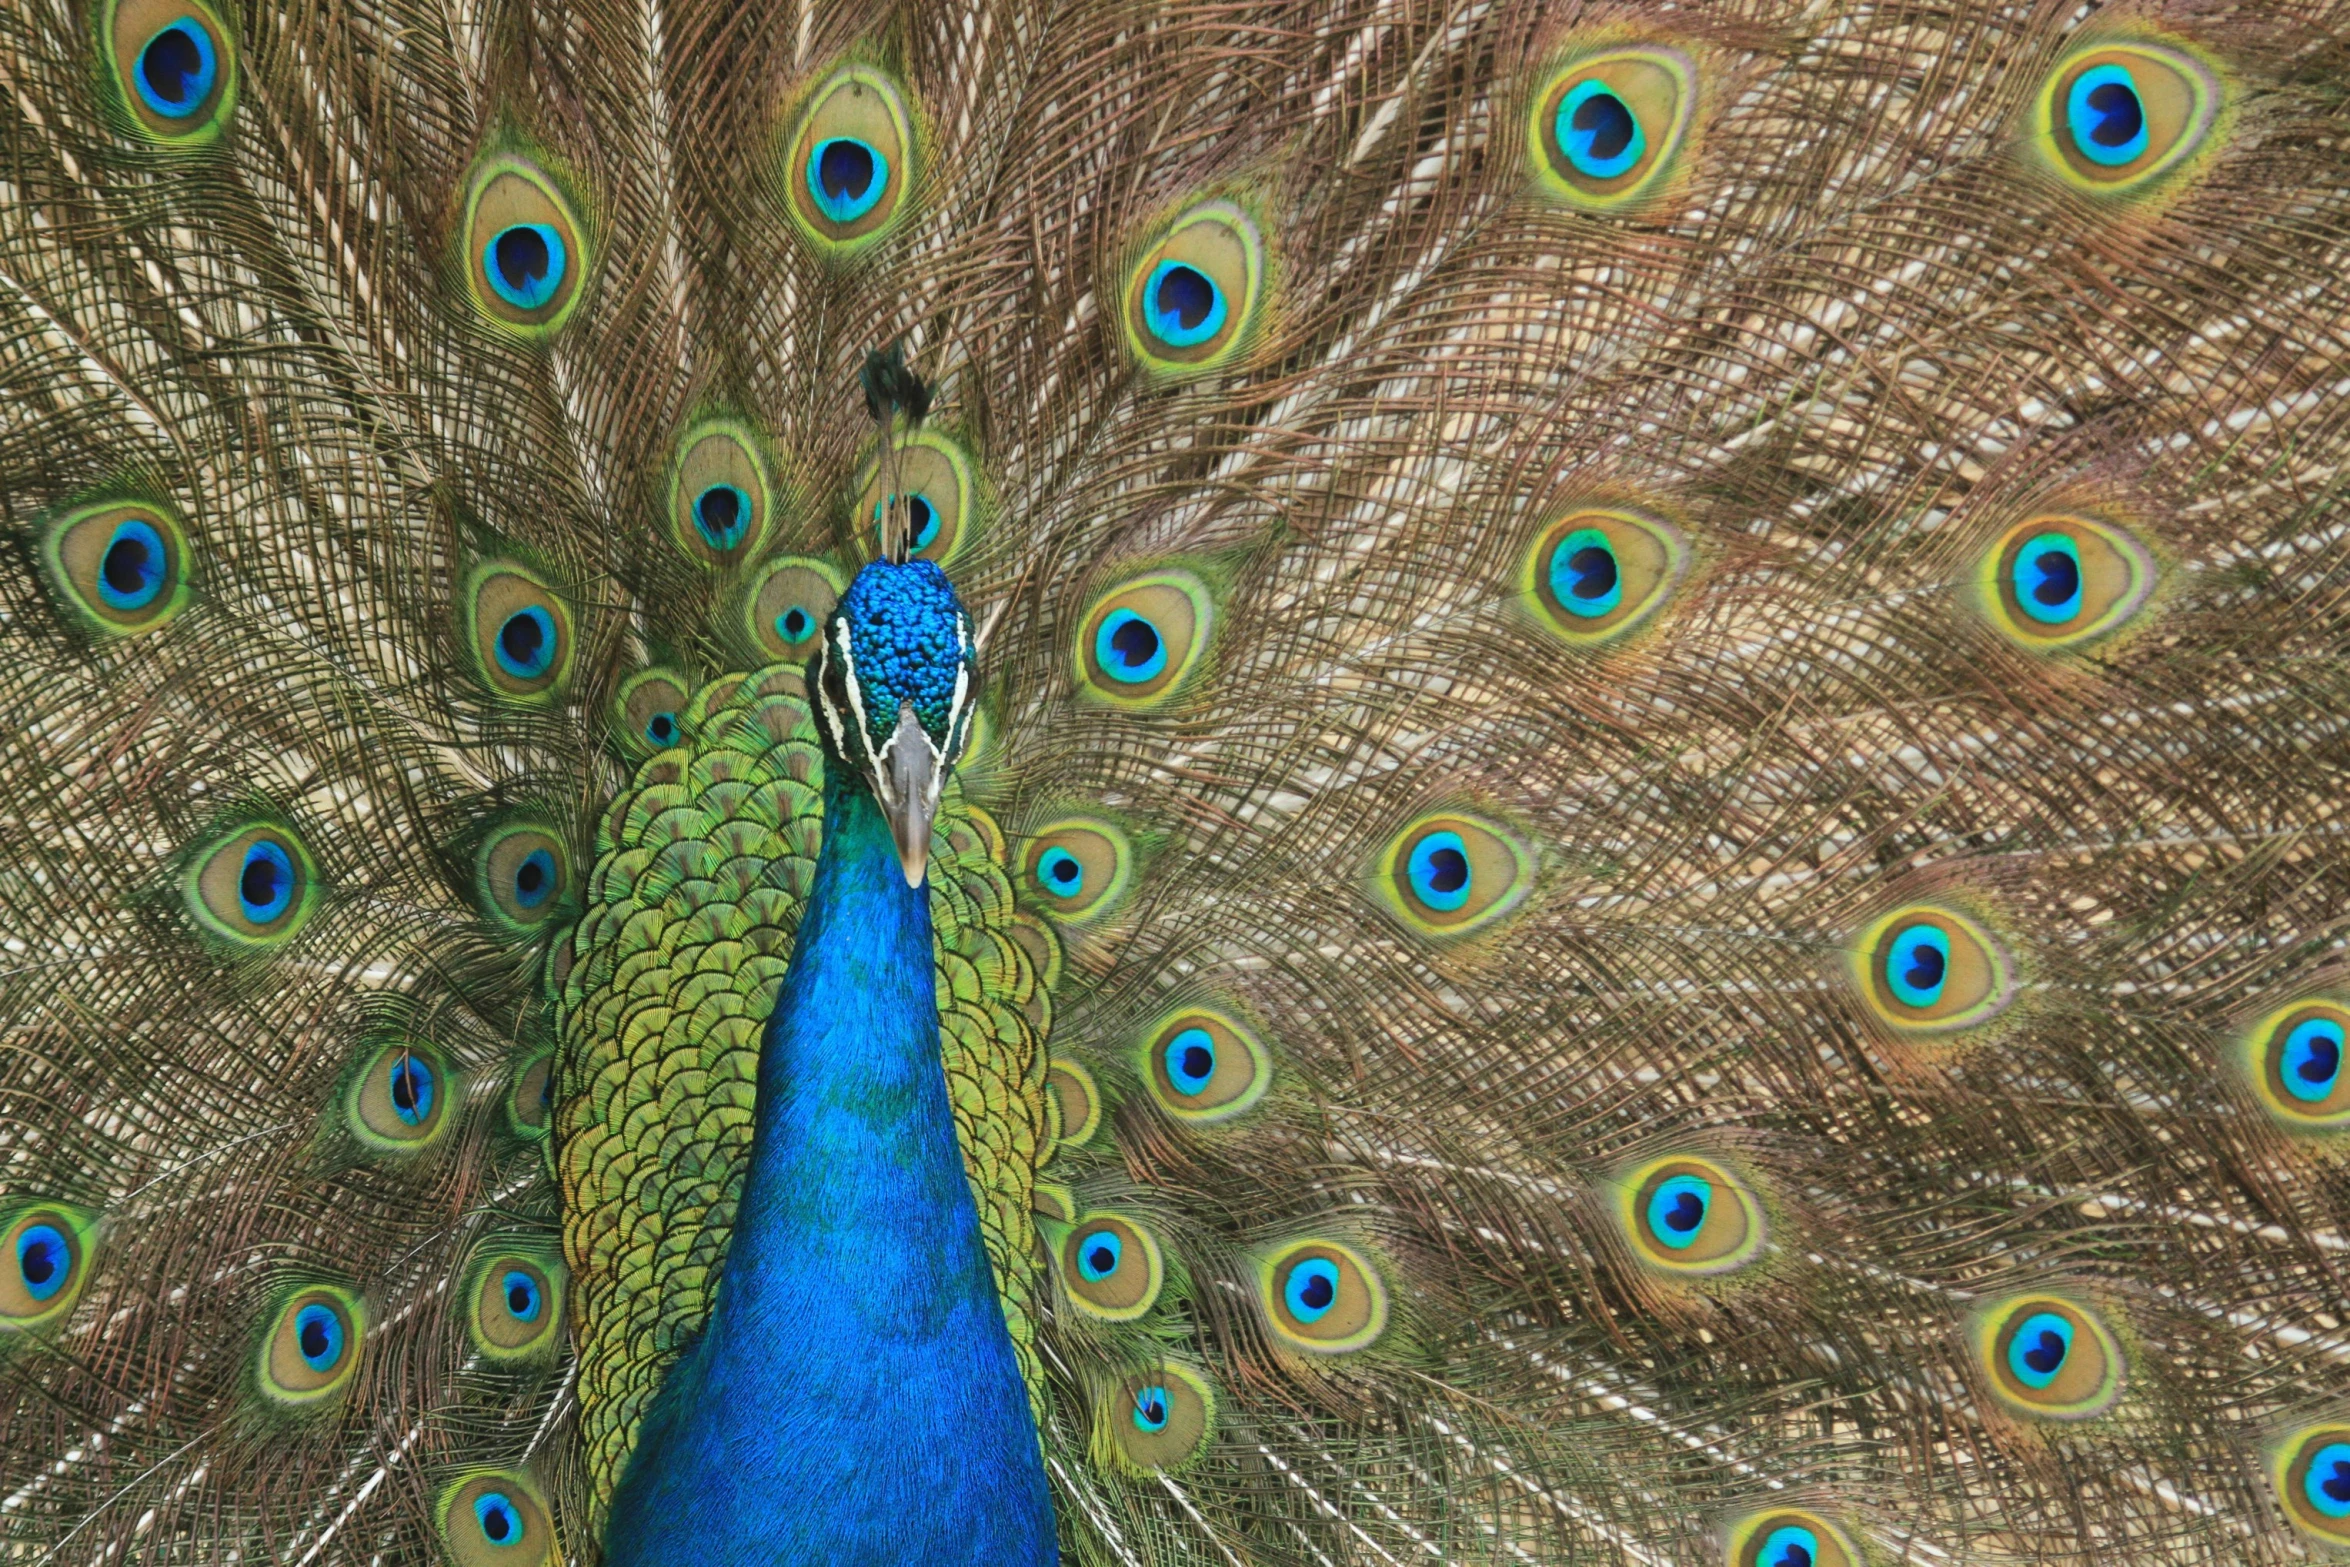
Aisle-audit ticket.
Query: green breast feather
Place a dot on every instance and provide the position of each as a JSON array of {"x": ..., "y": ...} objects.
[{"x": 703, "y": 864}]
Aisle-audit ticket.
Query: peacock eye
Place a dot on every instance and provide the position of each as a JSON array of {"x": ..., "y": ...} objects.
[
  {"x": 1322, "y": 1296},
  {"x": 311, "y": 1349},
  {"x": 1192, "y": 300},
  {"x": 646, "y": 709},
  {"x": 938, "y": 490},
  {"x": 1691, "y": 1216},
  {"x": 2059, "y": 581},
  {"x": 1077, "y": 1099},
  {"x": 253, "y": 889},
  {"x": 2117, "y": 117},
  {"x": 2312, "y": 1472},
  {"x": 786, "y": 606},
  {"x": 1593, "y": 575},
  {"x": 496, "y": 1518},
  {"x": 2050, "y": 1357},
  {"x": 517, "y": 1305},
  {"x": 1790, "y": 1537},
  {"x": 1203, "y": 1067},
  {"x": 1111, "y": 1267},
  {"x": 2297, "y": 1065},
  {"x": 526, "y": 263},
  {"x": 1076, "y": 868},
  {"x": 520, "y": 634},
  {"x": 1448, "y": 874},
  {"x": 119, "y": 568},
  {"x": 530, "y": 1106},
  {"x": 521, "y": 876},
  {"x": 175, "y": 66},
  {"x": 1152, "y": 1407},
  {"x": 850, "y": 160},
  {"x": 1928, "y": 969},
  {"x": 1608, "y": 128},
  {"x": 1138, "y": 643},
  {"x": 45, "y": 1252},
  {"x": 523, "y": 248},
  {"x": 401, "y": 1100},
  {"x": 1159, "y": 1419},
  {"x": 719, "y": 493}
]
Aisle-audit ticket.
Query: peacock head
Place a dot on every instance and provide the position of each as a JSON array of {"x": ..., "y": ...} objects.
[{"x": 893, "y": 694}]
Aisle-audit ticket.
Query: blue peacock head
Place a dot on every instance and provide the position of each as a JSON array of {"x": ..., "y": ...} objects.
[{"x": 893, "y": 693}]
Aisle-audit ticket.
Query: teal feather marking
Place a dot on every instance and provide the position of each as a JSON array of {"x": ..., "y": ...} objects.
[{"x": 855, "y": 1396}]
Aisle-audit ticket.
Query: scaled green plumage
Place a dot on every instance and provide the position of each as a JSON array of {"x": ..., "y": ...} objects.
[{"x": 1704, "y": 915}]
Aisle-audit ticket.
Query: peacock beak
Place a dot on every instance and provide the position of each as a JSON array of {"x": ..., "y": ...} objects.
[{"x": 910, "y": 780}]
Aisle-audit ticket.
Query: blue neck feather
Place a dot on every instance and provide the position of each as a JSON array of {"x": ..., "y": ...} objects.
[{"x": 855, "y": 1398}]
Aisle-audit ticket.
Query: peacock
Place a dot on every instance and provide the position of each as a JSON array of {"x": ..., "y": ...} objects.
[{"x": 1284, "y": 783}]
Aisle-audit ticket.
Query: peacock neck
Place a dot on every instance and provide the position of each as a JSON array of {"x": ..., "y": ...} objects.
[{"x": 855, "y": 1397}]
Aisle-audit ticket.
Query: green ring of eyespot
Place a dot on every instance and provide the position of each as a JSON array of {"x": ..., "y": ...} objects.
[
  {"x": 459, "y": 1517},
  {"x": 284, "y": 1373},
  {"x": 21, "y": 1309},
  {"x": 2190, "y": 85},
  {"x": 2261, "y": 1053},
  {"x": 149, "y": 121},
  {"x": 1238, "y": 310},
  {"x": 1665, "y": 144},
  {"x": 2091, "y": 1348},
  {"x": 568, "y": 243},
  {"x": 1480, "y": 843},
  {"x": 544, "y": 1330},
  {"x": 724, "y": 437},
  {"x": 78, "y": 550},
  {"x": 288, "y": 911},
  {"x": 1978, "y": 947},
  {"x": 1099, "y": 898},
  {"x": 1132, "y": 1435}
]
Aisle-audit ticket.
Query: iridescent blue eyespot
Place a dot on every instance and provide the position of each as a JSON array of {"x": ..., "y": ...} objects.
[
  {"x": 1598, "y": 131},
  {"x": 534, "y": 878},
  {"x": 1128, "y": 648},
  {"x": 846, "y": 176},
  {"x": 2106, "y": 116},
  {"x": 265, "y": 882},
  {"x": 525, "y": 645},
  {"x": 722, "y": 514},
  {"x": 1677, "y": 1209},
  {"x": 1791, "y": 1545},
  {"x": 524, "y": 263},
  {"x": 661, "y": 730},
  {"x": 2312, "y": 1061},
  {"x": 920, "y": 513},
  {"x": 1150, "y": 1408},
  {"x": 176, "y": 70},
  {"x": 1098, "y": 1255},
  {"x": 795, "y": 624},
  {"x": 1191, "y": 1061},
  {"x": 500, "y": 1521},
  {"x": 2047, "y": 581},
  {"x": 1060, "y": 873},
  {"x": 412, "y": 1088},
  {"x": 1918, "y": 966},
  {"x": 1585, "y": 579},
  {"x": 2037, "y": 1351},
  {"x": 1312, "y": 1289},
  {"x": 131, "y": 572},
  {"x": 1182, "y": 305},
  {"x": 523, "y": 1299},
  {"x": 318, "y": 1334},
  {"x": 1439, "y": 869},
  {"x": 2327, "y": 1484},
  {"x": 44, "y": 1259}
]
